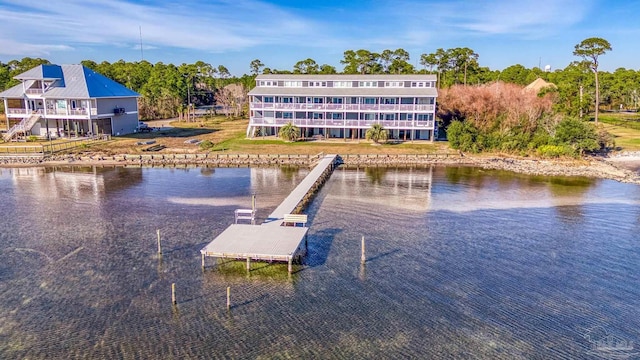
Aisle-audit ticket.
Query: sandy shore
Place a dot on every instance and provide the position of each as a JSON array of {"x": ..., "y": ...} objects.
[{"x": 623, "y": 168}]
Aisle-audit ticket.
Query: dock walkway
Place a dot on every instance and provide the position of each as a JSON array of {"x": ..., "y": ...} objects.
[{"x": 271, "y": 241}]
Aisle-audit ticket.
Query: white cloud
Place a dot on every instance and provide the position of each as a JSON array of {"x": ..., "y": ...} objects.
[
  {"x": 524, "y": 18},
  {"x": 208, "y": 26},
  {"x": 12, "y": 48}
]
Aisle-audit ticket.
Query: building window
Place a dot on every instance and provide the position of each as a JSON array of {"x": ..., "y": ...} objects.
[
  {"x": 368, "y": 84},
  {"x": 293, "y": 84},
  {"x": 420, "y": 84},
  {"x": 336, "y": 116},
  {"x": 268, "y": 83},
  {"x": 389, "y": 116},
  {"x": 287, "y": 100},
  {"x": 342, "y": 84},
  {"x": 318, "y": 100},
  {"x": 424, "y": 117},
  {"x": 370, "y": 101},
  {"x": 287, "y": 115},
  {"x": 317, "y": 116},
  {"x": 268, "y": 99},
  {"x": 317, "y": 84},
  {"x": 393, "y": 84},
  {"x": 426, "y": 101},
  {"x": 336, "y": 100}
]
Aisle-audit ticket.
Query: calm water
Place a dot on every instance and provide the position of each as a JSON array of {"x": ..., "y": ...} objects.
[{"x": 463, "y": 263}]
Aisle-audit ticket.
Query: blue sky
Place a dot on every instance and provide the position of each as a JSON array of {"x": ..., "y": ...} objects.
[{"x": 280, "y": 33}]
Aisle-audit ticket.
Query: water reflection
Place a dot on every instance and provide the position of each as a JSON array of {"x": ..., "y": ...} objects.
[{"x": 461, "y": 264}]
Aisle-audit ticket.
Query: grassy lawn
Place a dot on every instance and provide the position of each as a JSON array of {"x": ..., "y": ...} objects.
[
  {"x": 229, "y": 136},
  {"x": 625, "y": 127}
]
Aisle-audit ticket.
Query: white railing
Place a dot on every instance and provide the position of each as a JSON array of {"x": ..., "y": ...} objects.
[
  {"x": 333, "y": 107},
  {"x": 34, "y": 91},
  {"x": 17, "y": 111},
  {"x": 272, "y": 121},
  {"x": 24, "y": 125}
]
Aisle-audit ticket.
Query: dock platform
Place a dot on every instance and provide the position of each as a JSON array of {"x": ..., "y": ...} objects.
[{"x": 271, "y": 241}]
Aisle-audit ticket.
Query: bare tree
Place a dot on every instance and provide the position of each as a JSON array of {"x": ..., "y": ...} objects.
[{"x": 232, "y": 98}]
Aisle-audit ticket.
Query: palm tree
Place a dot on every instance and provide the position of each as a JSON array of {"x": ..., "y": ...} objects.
[
  {"x": 289, "y": 132},
  {"x": 377, "y": 133}
]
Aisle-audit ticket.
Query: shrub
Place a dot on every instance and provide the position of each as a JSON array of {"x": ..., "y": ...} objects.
[
  {"x": 556, "y": 151},
  {"x": 206, "y": 145},
  {"x": 289, "y": 132},
  {"x": 32, "y": 138},
  {"x": 578, "y": 134}
]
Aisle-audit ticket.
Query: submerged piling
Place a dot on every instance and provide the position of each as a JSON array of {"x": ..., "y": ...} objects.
[
  {"x": 173, "y": 294},
  {"x": 159, "y": 247},
  {"x": 363, "y": 257}
]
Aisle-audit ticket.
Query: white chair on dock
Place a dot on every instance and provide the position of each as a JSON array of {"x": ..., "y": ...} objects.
[{"x": 245, "y": 214}]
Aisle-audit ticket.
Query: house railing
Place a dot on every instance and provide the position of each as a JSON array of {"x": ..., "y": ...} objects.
[
  {"x": 333, "y": 107},
  {"x": 335, "y": 123}
]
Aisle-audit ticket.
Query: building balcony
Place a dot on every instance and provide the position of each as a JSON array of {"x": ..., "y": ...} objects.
[
  {"x": 331, "y": 123},
  {"x": 53, "y": 113},
  {"x": 345, "y": 107},
  {"x": 34, "y": 91}
]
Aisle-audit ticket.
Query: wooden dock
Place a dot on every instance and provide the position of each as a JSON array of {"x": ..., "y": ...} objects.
[{"x": 271, "y": 241}]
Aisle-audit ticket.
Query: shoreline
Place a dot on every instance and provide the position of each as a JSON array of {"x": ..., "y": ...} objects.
[{"x": 616, "y": 168}]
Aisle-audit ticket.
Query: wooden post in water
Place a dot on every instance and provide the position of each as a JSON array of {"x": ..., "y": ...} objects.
[
  {"x": 228, "y": 297},
  {"x": 363, "y": 257},
  {"x": 159, "y": 247},
  {"x": 173, "y": 294},
  {"x": 203, "y": 260},
  {"x": 253, "y": 209}
]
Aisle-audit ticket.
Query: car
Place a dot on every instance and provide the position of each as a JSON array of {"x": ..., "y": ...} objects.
[{"x": 143, "y": 127}]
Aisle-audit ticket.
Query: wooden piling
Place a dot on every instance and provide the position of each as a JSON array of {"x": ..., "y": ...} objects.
[
  {"x": 290, "y": 266},
  {"x": 228, "y": 297},
  {"x": 203, "y": 260},
  {"x": 159, "y": 247},
  {"x": 248, "y": 263},
  {"x": 363, "y": 257},
  {"x": 173, "y": 294},
  {"x": 253, "y": 209}
]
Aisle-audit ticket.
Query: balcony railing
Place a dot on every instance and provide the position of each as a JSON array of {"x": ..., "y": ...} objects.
[
  {"x": 11, "y": 111},
  {"x": 352, "y": 107},
  {"x": 272, "y": 121},
  {"x": 53, "y": 112},
  {"x": 34, "y": 91}
]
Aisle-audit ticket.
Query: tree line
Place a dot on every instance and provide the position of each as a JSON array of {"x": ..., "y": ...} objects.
[{"x": 168, "y": 89}]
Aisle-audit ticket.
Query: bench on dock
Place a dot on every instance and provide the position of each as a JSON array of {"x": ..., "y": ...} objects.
[
  {"x": 245, "y": 214},
  {"x": 295, "y": 219}
]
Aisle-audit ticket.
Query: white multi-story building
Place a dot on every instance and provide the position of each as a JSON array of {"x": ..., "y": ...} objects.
[{"x": 344, "y": 106}]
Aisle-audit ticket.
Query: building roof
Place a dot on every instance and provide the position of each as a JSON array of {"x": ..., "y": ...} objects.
[
  {"x": 340, "y": 77},
  {"x": 42, "y": 72},
  {"x": 539, "y": 84},
  {"x": 326, "y": 91},
  {"x": 71, "y": 82}
]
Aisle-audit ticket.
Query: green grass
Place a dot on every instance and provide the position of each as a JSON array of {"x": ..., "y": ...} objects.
[{"x": 630, "y": 121}]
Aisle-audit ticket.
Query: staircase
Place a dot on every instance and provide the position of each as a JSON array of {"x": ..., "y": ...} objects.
[{"x": 25, "y": 125}]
